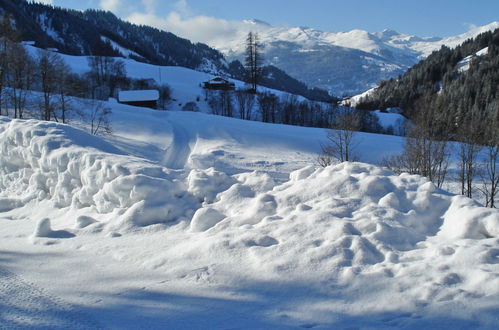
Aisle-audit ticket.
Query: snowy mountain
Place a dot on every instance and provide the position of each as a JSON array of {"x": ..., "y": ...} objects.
[{"x": 341, "y": 62}]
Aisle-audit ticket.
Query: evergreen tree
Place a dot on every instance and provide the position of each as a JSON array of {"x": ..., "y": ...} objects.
[{"x": 253, "y": 61}]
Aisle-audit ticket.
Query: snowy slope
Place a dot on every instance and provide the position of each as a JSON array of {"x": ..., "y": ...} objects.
[
  {"x": 166, "y": 224},
  {"x": 186, "y": 84},
  {"x": 341, "y": 62}
]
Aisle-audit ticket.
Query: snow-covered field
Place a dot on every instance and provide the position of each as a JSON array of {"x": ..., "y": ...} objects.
[{"x": 184, "y": 220}]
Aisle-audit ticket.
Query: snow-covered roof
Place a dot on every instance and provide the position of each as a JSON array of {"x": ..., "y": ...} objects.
[
  {"x": 218, "y": 80},
  {"x": 138, "y": 95}
]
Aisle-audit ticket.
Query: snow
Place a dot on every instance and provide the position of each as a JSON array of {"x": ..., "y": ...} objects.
[
  {"x": 465, "y": 63},
  {"x": 389, "y": 119},
  {"x": 189, "y": 220},
  {"x": 354, "y": 100},
  {"x": 124, "y": 51},
  {"x": 138, "y": 95}
]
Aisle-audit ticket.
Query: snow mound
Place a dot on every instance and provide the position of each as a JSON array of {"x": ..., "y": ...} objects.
[
  {"x": 50, "y": 161},
  {"x": 43, "y": 229},
  {"x": 348, "y": 215}
]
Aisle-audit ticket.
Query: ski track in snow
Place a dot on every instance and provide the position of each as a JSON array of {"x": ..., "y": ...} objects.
[
  {"x": 179, "y": 151},
  {"x": 25, "y": 306}
]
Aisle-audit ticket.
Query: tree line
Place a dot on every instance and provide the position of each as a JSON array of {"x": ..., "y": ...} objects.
[
  {"x": 458, "y": 96},
  {"x": 447, "y": 102},
  {"x": 45, "y": 72},
  {"x": 288, "y": 109}
]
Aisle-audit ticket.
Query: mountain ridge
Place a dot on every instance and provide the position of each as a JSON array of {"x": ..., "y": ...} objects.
[
  {"x": 369, "y": 56},
  {"x": 96, "y": 32}
]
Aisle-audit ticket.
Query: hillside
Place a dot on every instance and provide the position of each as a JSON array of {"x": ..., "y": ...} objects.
[
  {"x": 95, "y": 32},
  {"x": 460, "y": 83},
  {"x": 100, "y": 33}
]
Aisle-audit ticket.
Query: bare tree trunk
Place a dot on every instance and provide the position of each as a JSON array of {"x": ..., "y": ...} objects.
[{"x": 342, "y": 137}]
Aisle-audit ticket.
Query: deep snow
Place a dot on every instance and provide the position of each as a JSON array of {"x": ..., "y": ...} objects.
[{"x": 189, "y": 220}]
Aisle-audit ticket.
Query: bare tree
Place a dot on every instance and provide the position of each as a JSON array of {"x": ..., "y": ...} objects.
[
  {"x": 96, "y": 116},
  {"x": 289, "y": 107},
  {"x": 342, "y": 137},
  {"x": 67, "y": 85},
  {"x": 469, "y": 149},
  {"x": 8, "y": 35},
  {"x": 490, "y": 167},
  {"x": 165, "y": 93},
  {"x": 245, "y": 100},
  {"x": 226, "y": 103},
  {"x": 20, "y": 77},
  {"x": 268, "y": 104},
  {"x": 51, "y": 69},
  {"x": 3, "y": 68},
  {"x": 426, "y": 149},
  {"x": 106, "y": 74},
  {"x": 221, "y": 102},
  {"x": 490, "y": 175},
  {"x": 325, "y": 158}
]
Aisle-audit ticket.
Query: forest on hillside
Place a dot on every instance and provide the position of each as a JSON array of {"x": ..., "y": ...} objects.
[{"x": 460, "y": 86}]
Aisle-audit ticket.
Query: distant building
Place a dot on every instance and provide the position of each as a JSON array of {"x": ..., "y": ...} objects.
[
  {"x": 140, "y": 98},
  {"x": 219, "y": 84}
]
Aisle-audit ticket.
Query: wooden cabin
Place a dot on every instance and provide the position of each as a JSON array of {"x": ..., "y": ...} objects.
[
  {"x": 140, "y": 98},
  {"x": 220, "y": 84}
]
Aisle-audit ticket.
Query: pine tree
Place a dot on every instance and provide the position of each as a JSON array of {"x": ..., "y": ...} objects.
[{"x": 253, "y": 61}]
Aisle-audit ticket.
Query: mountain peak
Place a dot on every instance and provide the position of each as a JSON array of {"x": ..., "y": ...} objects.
[{"x": 390, "y": 32}]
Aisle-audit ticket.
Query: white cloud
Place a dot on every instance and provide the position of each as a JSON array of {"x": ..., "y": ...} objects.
[
  {"x": 182, "y": 7},
  {"x": 470, "y": 26},
  {"x": 218, "y": 33},
  {"x": 150, "y": 6},
  {"x": 198, "y": 28},
  {"x": 111, "y": 5}
]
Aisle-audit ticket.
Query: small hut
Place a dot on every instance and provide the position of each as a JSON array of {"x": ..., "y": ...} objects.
[
  {"x": 219, "y": 84},
  {"x": 140, "y": 98}
]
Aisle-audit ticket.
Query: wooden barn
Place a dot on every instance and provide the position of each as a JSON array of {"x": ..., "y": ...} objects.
[
  {"x": 220, "y": 84},
  {"x": 140, "y": 98}
]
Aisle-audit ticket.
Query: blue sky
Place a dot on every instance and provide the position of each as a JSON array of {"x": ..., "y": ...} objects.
[{"x": 419, "y": 17}]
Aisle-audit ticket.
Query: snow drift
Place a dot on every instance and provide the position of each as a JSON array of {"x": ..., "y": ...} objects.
[
  {"x": 371, "y": 208},
  {"x": 49, "y": 161},
  {"x": 357, "y": 235}
]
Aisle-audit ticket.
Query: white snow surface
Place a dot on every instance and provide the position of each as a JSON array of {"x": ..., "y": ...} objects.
[
  {"x": 188, "y": 220},
  {"x": 138, "y": 95},
  {"x": 465, "y": 63},
  {"x": 389, "y": 119},
  {"x": 354, "y": 100}
]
